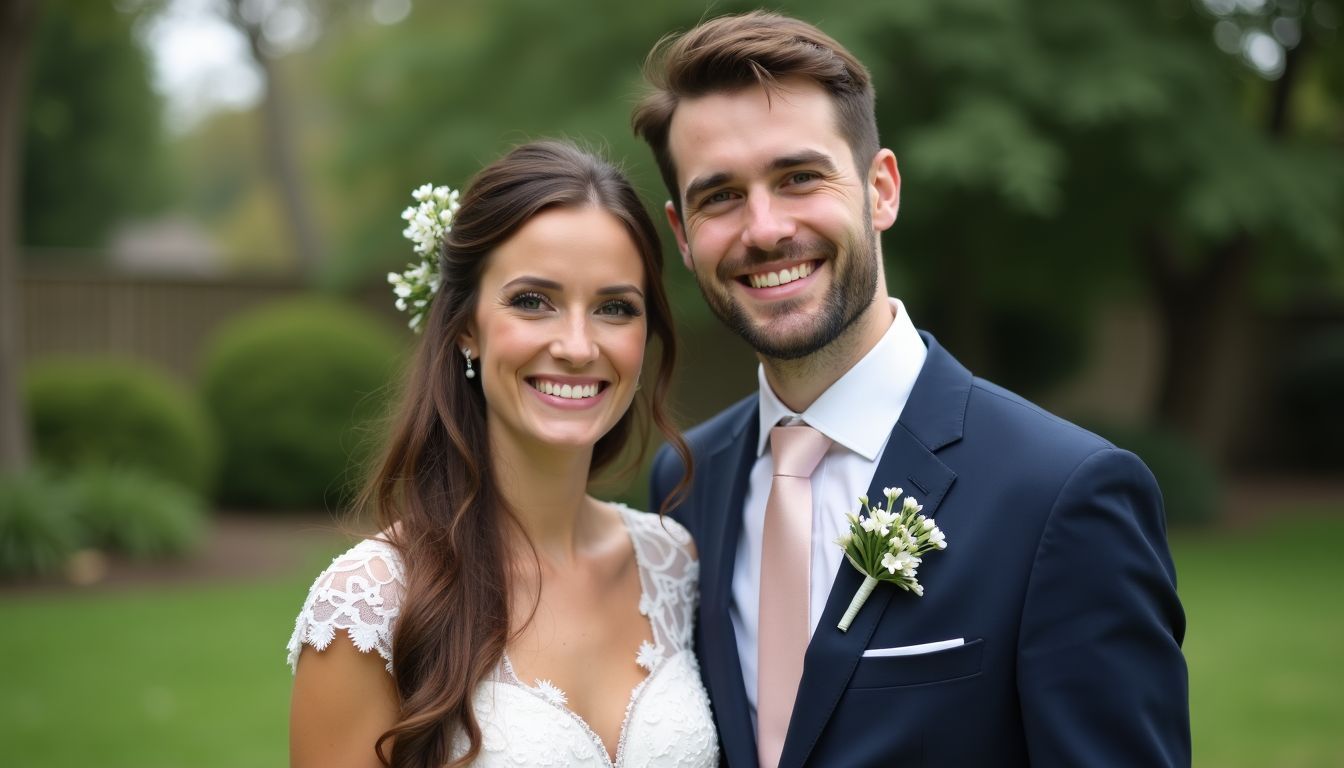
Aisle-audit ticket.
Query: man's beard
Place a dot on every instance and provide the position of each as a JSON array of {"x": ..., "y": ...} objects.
[{"x": 853, "y": 283}]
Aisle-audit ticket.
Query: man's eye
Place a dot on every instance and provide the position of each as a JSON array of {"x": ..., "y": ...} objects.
[
  {"x": 716, "y": 197},
  {"x": 802, "y": 177}
]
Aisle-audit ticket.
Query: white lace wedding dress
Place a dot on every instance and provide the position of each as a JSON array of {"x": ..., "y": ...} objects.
[{"x": 667, "y": 720}]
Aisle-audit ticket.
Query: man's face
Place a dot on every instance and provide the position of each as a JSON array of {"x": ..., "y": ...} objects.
[{"x": 777, "y": 223}]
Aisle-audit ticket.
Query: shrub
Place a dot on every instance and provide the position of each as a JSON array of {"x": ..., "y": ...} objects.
[
  {"x": 38, "y": 530},
  {"x": 290, "y": 386},
  {"x": 107, "y": 412},
  {"x": 1188, "y": 480},
  {"x": 136, "y": 513}
]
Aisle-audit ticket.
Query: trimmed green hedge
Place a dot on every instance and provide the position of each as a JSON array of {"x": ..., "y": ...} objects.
[
  {"x": 119, "y": 413},
  {"x": 293, "y": 388}
]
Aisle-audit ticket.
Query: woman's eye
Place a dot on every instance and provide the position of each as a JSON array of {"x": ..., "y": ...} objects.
[
  {"x": 529, "y": 301},
  {"x": 619, "y": 308}
]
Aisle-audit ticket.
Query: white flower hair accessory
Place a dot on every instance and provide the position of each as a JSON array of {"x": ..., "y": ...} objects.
[{"x": 426, "y": 225}]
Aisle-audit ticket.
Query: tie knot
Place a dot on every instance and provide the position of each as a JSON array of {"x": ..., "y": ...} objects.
[{"x": 797, "y": 450}]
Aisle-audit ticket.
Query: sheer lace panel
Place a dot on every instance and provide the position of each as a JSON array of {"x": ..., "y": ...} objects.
[
  {"x": 360, "y": 593},
  {"x": 668, "y": 573}
]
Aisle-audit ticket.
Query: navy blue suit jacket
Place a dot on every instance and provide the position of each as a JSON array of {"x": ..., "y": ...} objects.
[{"x": 1056, "y": 573}]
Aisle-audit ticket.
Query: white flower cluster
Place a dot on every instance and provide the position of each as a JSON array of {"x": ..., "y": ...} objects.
[
  {"x": 551, "y": 692},
  {"x": 648, "y": 656},
  {"x": 426, "y": 224},
  {"x": 887, "y": 544}
]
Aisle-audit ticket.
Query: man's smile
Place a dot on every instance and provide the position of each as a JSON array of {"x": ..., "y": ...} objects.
[{"x": 783, "y": 276}]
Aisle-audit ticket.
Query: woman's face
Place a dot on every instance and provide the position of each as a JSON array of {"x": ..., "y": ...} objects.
[{"x": 559, "y": 329}]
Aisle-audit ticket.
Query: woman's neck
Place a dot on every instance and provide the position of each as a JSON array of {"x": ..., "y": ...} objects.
[{"x": 546, "y": 489}]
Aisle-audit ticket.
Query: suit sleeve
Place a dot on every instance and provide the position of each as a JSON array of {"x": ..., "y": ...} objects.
[{"x": 1101, "y": 676}]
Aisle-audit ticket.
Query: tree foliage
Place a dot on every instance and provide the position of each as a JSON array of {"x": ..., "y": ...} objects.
[
  {"x": 1054, "y": 153},
  {"x": 93, "y": 147}
]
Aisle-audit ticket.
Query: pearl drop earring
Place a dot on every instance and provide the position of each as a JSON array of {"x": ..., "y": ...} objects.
[{"x": 466, "y": 352}]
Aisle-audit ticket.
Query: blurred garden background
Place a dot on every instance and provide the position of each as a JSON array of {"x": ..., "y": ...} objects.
[{"x": 1131, "y": 211}]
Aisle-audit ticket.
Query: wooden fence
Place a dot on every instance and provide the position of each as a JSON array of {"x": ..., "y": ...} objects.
[{"x": 164, "y": 321}]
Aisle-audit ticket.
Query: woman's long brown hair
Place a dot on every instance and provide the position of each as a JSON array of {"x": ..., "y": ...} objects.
[{"x": 435, "y": 493}]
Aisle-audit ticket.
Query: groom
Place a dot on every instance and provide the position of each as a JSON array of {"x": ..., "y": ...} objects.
[{"x": 1049, "y": 631}]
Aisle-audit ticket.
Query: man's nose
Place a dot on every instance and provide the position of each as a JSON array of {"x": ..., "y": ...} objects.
[{"x": 767, "y": 222}]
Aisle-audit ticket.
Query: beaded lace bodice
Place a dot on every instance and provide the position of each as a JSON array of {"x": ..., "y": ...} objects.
[{"x": 667, "y": 720}]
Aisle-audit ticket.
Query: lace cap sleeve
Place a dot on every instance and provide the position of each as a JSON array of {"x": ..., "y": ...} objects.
[
  {"x": 360, "y": 592},
  {"x": 670, "y": 575}
]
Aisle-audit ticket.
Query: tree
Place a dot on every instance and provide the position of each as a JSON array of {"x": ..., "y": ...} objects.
[
  {"x": 1056, "y": 155},
  {"x": 93, "y": 140},
  {"x": 1101, "y": 148},
  {"x": 16, "y": 25},
  {"x": 278, "y": 134}
]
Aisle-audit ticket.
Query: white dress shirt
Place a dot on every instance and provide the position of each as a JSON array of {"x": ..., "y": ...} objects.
[{"x": 858, "y": 413}]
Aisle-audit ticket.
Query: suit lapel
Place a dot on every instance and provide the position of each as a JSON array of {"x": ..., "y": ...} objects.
[
  {"x": 932, "y": 418},
  {"x": 722, "y": 496}
]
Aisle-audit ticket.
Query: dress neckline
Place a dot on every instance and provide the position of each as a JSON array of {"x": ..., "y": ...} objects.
[{"x": 548, "y": 692}]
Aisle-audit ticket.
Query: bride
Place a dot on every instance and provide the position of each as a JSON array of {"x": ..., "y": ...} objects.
[{"x": 504, "y": 616}]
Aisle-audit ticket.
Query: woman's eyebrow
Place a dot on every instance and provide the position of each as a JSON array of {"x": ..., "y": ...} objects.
[
  {"x": 535, "y": 282},
  {"x": 551, "y": 285},
  {"x": 619, "y": 289}
]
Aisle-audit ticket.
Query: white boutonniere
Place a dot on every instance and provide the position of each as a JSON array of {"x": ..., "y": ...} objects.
[{"x": 887, "y": 545}]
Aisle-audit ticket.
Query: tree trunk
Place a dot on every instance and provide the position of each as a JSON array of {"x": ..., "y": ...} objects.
[
  {"x": 281, "y": 157},
  {"x": 1207, "y": 328},
  {"x": 1214, "y": 356},
  {"x": 16, "y": 27}
]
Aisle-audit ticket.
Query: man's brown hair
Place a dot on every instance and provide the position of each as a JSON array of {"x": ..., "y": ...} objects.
[{"x": 758, "y": 48}]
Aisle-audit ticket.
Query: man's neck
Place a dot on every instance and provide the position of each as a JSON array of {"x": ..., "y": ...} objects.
[{"x": 798, "y": 383}]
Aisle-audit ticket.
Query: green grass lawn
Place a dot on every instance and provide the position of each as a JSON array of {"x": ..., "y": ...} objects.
[
  {"x": 171, "y": 677},
  {"x": 195, "y": 677},
  {"x": 1265, "y": 642}
]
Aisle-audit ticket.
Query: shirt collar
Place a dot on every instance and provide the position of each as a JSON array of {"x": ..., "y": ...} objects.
[{"x": 881, "y": 382}]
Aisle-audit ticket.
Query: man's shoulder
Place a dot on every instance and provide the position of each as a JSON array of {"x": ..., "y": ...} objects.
[
  {"x": 999, "y": 414},
  {"x": 709, "y": 435},
  {"x": 723, "y": 425}
]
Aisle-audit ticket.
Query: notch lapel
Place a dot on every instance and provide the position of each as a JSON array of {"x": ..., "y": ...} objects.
[{"x": 932, "y": 418}]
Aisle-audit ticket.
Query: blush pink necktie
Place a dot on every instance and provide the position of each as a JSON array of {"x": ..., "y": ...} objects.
[{"x": 786, "y": 567}]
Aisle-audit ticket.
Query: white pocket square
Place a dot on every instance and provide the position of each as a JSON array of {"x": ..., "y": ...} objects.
[{"x": 915, "y": 650}]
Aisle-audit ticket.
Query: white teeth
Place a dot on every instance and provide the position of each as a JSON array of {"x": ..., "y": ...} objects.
[
  {"x": 782, "y": 277},
  {"x": 567, "y": 391}
]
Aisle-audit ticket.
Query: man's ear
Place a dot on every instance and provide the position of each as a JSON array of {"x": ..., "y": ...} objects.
[
  {"x": 884, "y": 190},
  {"x": 674, "y": 221}
]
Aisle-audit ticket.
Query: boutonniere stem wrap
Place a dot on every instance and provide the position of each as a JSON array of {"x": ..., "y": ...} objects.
[{"x": 888, "y": 544}]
